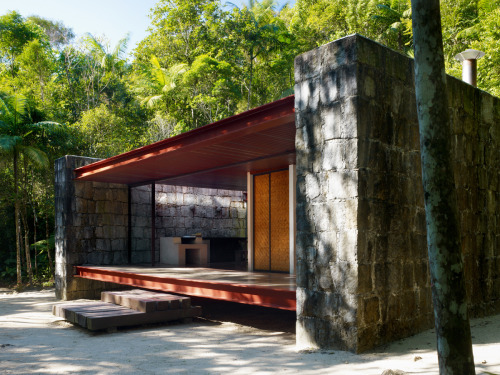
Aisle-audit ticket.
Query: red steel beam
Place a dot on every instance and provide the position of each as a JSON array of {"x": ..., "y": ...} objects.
[
  {"x": 257, "y": 119},
  {"x": 249, "y": 294}
]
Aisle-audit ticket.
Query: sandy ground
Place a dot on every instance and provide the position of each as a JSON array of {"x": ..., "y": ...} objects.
[{"x": 33, "y": 341}]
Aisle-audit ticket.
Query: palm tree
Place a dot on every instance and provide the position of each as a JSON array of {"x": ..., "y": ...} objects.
[
  {"x": 157, "y": 82},
  {"x": 15, "y": 146},
  {"x": 109, "y": 60},
  {"x": 100, "y": 60}
]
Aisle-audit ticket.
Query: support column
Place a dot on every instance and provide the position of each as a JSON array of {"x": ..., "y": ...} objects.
[
  {"x": 153, "y": 223},
  {"x": 292, "y": 205},
  {"x": 250, "y": 223},
  {"x": 129, "y": 227}
]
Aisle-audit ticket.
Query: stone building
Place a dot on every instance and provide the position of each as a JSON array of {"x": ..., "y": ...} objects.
[{"x": 323, "y": 185}]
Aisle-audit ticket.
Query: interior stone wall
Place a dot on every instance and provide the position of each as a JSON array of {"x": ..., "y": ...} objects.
[
  {"x": 92, "y": 222},
  {"x": 183, "y": 211},
  {"x": 362, "y": 269}
]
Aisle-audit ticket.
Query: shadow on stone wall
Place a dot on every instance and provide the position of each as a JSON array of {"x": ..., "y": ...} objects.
[{"x": 362, "y": 271}]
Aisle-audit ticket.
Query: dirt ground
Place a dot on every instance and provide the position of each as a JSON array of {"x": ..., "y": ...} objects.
[{"x": 230, "y": 338}]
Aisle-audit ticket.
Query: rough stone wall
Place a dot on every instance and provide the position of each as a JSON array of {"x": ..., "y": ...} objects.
[
  {"x": 394, "y": 291},
  {"x": 182, "y": 211},
  {"x": 394, "y": 285},
  {"x": 91, "y": 227},
  {"x": 362, "y": 269},
  {"x": 476, "y": 152},
  {"x": 327, "y": 205}
]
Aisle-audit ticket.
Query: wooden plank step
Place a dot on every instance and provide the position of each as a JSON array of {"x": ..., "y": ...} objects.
[
  {"x": 68, "y": 311},
  {"x": 97, "y": 321},
  {"x": 77, "y": 313},
  {"x": 95, "y": 315},
  {"x": 146, "y": 301}
]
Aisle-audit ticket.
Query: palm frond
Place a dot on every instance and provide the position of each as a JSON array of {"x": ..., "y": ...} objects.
[
  {"x": 4, "y": 128},
  {"x": 36, "y": 156},
  {"x": 121, "y": 47},
  {"x": 9, "y": 143},
  {"x": 49, "y": 127},
  {"x": 12, "y": 108},
  {"x": 18, "y": 104},
  {"x": 152, "y": 100},
  {"x": 157, "y": 72},
  {"x": 4, "y": 107},
  {"x": 94, "y": 44}
]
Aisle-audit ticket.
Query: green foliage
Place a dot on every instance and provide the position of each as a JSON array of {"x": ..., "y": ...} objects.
[
  {"x": 57, "y": 34},
  {"x": 40, "y": 250},
  {"x": 261, "y": 37},
  {"x": 181, "y": 30},
  {"x": 485, "y": 36},
  {"x": 103, "y": 133},
  {"x": 156, "y": 84},
  {"x": 8, "y": 270},
  {"x": 15, "y": 32},
  {"x": 395, "y": 23}
]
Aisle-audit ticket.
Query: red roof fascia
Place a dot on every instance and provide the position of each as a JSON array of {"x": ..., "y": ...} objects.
[{"x": 253, "y": 120}]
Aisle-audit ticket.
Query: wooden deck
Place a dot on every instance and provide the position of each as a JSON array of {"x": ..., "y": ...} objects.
[{"x": 274, "y": 290}]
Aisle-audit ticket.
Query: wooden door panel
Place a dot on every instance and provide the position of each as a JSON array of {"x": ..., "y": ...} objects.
[
  {"x": 280, "y": 254},
  {"x": 261, "y": 222}
]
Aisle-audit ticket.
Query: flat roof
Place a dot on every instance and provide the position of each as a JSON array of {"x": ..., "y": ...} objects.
[{"x": 217, "y": 155}]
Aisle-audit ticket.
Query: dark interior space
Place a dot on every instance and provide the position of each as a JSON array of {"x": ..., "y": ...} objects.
[{"x": 228, "y": 250}]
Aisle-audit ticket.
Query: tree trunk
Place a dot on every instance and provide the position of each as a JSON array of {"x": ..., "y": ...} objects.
[
  {"x": 454, "y": 343},
  {"x": 51, "y": 264},
  {"x": 251, "y": 79},
  {"x": 34, "y": 240},
  {"x": 29, "y": 269},
  {"x": 17, "y": 223},
  {"x": 24, "y": 218}
]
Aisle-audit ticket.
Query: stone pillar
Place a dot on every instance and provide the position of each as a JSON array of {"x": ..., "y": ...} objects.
[
  {"x": 327, "y": 196},
  {"x": 91, "y": 227},
  {"x": 362, "y": 265}
]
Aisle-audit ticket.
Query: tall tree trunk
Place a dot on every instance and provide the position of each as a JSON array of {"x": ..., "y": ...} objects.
[
  {"x": 51, "y": 263},
  {"x": 251, "y": 79},
  {"x": 34, "y": 240},
  {"x": 24, "y": 219},
  {"x": 29, "y": 268},
  {"x": 17, "y": 222},
  {"x": 47, "y": 233},
  {"x": 454, "y": 343}
]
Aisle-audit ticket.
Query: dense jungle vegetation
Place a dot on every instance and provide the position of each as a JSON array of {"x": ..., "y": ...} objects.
[{"x": 202, "y": 61}]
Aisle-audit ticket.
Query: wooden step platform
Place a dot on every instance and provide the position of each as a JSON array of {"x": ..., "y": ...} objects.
[
  {"x": 146, "y": 301},
  {"x": 127, "y": 308}
]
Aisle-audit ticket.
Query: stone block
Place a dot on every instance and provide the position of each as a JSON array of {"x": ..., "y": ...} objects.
[
  {"x": 408, "y": 276},
  {"x": 342, "y": 184},
  {"x": 322, "y": 217},
  {"x": 347, "y": 245},
  {"x": 348, "y": 80},
  {"x": 329, "y": 88},
  {"x": 102, "y": 245},
  {"x": 326, "y": 245},
  {"x": 344, "y": 276},
  {"x": 307, "y": 65},
  {"x": 118, "y": 245},
  {"x": 371, "y": 310},
  {"x": 364, "y": 278}
]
